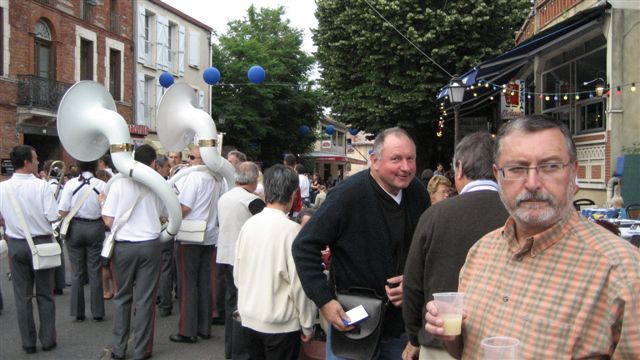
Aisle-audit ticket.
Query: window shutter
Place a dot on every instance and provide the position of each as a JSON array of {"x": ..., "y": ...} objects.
[
  {"x": 181, "y": 50},
  {"x": 141, "y": 100},
  {"x": 194, "y": 49},
  {"x": 141, "y": 39},
  {"x": 162, "y": 40},
  {"x": 201, "y": 99}
]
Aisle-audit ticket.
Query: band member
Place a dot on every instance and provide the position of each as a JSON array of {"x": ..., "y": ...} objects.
[
  {"x": 136, "y": 258},
  {"x": 84, "y": 239},
  {"x": 39, "y": 208}
]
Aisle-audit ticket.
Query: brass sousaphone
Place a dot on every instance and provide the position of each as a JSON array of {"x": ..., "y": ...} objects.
[{"x": 89, "y": 125}]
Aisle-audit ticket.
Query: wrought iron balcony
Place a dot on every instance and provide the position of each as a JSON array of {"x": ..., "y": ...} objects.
[{"x": 39, "y": 92}]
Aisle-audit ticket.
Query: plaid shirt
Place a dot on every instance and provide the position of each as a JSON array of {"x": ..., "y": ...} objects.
[{"x": 571, "y": 292}]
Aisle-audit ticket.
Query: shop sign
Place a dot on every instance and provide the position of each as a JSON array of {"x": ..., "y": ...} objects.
[
  {"x": 138, "y": 130},
  {"x": 512, "y": 101},
  {"x": 326, "y": 144}
]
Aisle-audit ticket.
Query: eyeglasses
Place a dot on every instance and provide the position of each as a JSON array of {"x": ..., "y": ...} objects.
[
  {"x": 545, "y": 171},
  {"x": 192, "y": 157}
]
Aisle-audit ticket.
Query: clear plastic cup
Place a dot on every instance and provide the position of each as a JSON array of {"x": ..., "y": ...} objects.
[
  {"x": 500, "y": 348},
  {"x": 450, "y": 310}
]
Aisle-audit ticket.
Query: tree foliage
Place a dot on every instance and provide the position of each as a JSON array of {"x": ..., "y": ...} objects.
[
  {"x": 374, "y": 78},
  {"x": 263, "y": 120}
]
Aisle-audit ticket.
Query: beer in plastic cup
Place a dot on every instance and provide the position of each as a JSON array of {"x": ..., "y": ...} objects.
[{"x": 450, "y": 310}]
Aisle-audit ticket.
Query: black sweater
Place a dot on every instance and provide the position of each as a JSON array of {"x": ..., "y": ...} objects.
[
  {"x": 352, "y": 222},
  {"x": 443, "y": 237}
]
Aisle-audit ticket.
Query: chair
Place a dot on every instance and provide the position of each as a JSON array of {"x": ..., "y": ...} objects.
[
  {"x": 578, "y": 203},
  {"x": 609, "y": 226},
  {"x": 633, "y": 211},
  {"x": 635, "y": 240}
]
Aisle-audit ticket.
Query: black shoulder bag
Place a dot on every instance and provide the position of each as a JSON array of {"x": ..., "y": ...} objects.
[{"x": 361, "y": 342}]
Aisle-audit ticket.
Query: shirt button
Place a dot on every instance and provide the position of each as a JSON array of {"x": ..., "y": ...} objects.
[{"x": 505, "y": 299}]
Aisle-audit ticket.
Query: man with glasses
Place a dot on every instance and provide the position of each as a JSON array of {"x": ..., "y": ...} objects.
[{"x": 562, "y": 285}]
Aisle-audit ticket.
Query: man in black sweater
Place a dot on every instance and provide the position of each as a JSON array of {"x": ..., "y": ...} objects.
[
  {"x": 445, "y": 234},
  {"x": 368, "y": 221}
]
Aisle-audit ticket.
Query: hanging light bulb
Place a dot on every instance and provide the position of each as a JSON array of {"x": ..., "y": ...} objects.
[
  {"x": 633, "y": 87},
  {"x": 547, "y": 97},
  {"x": 565, "y": 97},
  {"x": 491, "y": 97},
  {"x": 475, "y": 94},
  {"x": 486, "y": 84},
  {"x": 541, "y": 96},
  {"x": 528, "y": 96},
  {"x": 555, "y": 97},
  {"x": 577, "y": 96},
  {"x": 618, "y": 91}
]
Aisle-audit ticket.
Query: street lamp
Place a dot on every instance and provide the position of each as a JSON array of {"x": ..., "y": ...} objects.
[
  {"x": 456, "y": 95},
  {"x": 600, "y": 84}
]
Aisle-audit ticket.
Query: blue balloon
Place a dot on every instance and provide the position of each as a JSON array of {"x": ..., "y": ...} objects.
[
  {"x": 256, "y": 74},
  {"x": 166, "y": 79},
  {"x": 353, "y": 131},
  {"x": 211, "y": 75},
  {"x": 303, "y": 130},
  {"x": 330, "y": 130}
]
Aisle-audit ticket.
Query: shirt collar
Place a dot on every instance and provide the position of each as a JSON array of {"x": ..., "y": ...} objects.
[
  {"x": 539, "y": 242},
  {"x": 477, "y": 185},
  {"x": 22, "y": 176}
]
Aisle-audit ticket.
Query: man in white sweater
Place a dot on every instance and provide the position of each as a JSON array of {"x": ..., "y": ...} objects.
[{"x": 272, "y": 305}]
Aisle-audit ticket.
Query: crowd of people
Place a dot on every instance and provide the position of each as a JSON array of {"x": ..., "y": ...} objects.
[{"x": 279, "y": 249}]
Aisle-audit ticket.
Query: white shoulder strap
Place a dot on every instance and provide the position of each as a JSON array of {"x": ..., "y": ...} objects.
[
  {"x": 23, "y": 223},
  {"x": 77, "y": 206}
]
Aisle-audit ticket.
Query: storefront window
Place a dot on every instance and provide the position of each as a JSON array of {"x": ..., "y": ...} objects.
[{"x": 569, "y": 87}]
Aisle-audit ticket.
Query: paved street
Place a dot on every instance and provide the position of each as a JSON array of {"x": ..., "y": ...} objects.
[{"x": 88, "y": 340}]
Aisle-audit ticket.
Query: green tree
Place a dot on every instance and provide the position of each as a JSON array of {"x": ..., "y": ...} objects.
[
  {"x": 374, "y": 78},
  {"x": 263, "y": 120}
]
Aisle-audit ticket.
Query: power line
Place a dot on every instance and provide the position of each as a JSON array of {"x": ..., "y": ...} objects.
[{"x": 408, "y": 40}]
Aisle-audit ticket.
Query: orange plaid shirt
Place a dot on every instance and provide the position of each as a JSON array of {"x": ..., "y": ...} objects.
[{"x": 571, "y": 292}]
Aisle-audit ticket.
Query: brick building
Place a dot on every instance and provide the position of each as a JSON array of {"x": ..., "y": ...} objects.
[{"x": 47, "y": 45}]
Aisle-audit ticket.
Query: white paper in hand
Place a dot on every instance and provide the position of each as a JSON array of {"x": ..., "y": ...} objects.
[{"x": 355, "y": 315}]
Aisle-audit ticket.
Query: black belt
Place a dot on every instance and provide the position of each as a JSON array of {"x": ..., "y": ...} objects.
[
  {"x": 37, "y": 237},
  {"x": 86, "y": 220}
]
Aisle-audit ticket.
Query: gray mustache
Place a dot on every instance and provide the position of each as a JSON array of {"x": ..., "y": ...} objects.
[{"x": 533, "y": 196}]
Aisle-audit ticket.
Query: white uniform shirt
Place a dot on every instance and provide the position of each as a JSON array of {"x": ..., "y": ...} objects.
[
  {"x": 90, "y": 209},
  {"x": 304, "y": 186},
  {"x": 233, "y": 211},
  {"x": 36, "y": 201},
  {"x": 144, "y": 222},
  {"x": 196, "y": 191}
]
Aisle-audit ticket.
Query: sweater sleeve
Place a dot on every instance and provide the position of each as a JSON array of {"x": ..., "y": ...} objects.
[
  {"x": 322, "y": 230},
  {"x": 413, "y": 301},
  {"x": 307, "y": 311}
]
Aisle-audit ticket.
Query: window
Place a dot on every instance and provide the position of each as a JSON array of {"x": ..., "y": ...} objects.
[
  {"x": 86, "y": 59},
  {"x": 115, "y": 58},
  {"x": 149, "y": 84},
  {"x": 569, "y": 87},
  {"x": 148, "y": 20},
  {"x": 43, "y": 51},
  {"x": 88, "y": 10},
  {"x": 171, "y": 48}
]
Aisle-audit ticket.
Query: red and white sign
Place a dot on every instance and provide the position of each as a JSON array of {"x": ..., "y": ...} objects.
[
  {"x": 326, "y": 144},
  {"x": 512, "y": 100},
  {"x": 138, "y": 130}
]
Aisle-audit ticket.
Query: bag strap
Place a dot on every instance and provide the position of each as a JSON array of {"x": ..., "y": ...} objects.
[
  {"x": 125, "y": 216},
  {"x": 23, "y": 223},
  {"x": 77, "y": 206}
]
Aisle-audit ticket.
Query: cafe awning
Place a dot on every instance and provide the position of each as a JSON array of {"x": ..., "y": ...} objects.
[
  {"x": 330, "y": 157},
  {"x": 502, "y": 68}
]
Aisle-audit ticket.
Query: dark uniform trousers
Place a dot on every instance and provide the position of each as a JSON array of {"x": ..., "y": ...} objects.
[
  {"x": 84, "y": 244},
  {"x": 167, "y": 276},
  {"x": 136, "y": 267},
  {"x": 60, "y": 277},
  {"x": 23, "y": 278},
  {"x": 195, "y": 288}
]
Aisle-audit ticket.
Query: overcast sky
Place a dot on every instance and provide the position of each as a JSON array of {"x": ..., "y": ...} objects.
[{"x": 217, "y": 13}]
